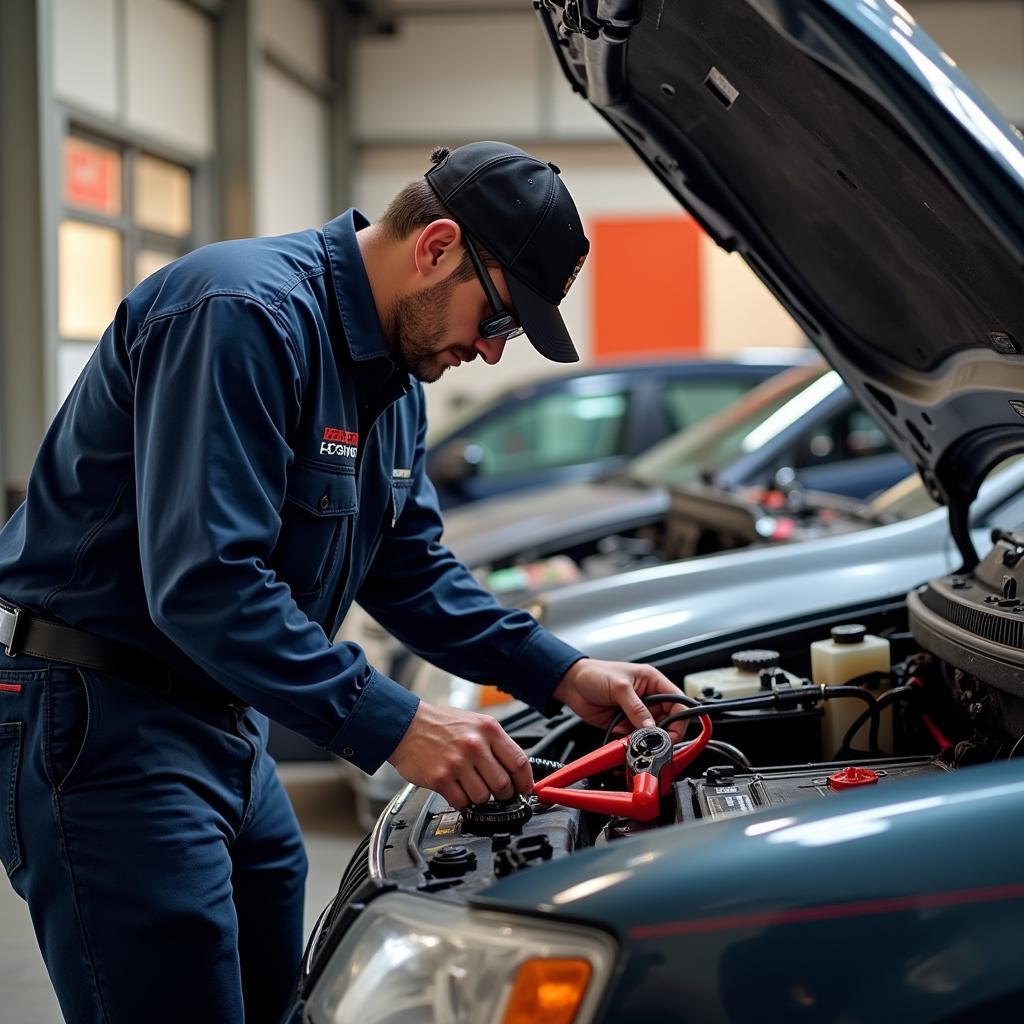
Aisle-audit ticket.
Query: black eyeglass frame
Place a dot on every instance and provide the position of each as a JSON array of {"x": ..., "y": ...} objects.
[{"x": 502, "y": 322}]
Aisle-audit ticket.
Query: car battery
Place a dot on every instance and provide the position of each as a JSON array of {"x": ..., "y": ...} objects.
[{"x": 722, "y": 791}]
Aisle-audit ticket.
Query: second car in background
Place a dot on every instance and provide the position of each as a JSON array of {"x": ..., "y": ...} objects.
[{"x": 583, "y": 425}]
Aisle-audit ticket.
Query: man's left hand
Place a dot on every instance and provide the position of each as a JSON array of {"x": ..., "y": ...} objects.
[{"x": 598, "y": 690}]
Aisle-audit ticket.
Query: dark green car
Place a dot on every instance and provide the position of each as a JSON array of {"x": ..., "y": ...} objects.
[{"x": 839, "y": 837}]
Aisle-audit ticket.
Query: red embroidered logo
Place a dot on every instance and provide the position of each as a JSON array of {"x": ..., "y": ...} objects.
[
  {"x": 339, "y": 442},
  {"x": 344, "y": 436}
]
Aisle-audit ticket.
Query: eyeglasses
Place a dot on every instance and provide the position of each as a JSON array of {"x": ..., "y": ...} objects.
[{"x": 501, "y": 323}]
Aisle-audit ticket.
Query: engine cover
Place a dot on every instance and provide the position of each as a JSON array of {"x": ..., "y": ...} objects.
[
  {"x": 975, "y": 621},
  {"x": 427, "y": 845}
]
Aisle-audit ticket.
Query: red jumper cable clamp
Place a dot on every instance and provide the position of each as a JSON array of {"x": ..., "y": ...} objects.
[{"x": 651, "y": 766}]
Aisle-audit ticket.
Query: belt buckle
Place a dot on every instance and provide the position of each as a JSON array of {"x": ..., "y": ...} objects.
[{"x": 8, "y": 640}]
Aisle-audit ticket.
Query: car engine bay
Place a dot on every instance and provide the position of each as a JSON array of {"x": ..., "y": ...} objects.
[
  {"x": 701, "y": 520},
  {"x": 784, "y": 715}
]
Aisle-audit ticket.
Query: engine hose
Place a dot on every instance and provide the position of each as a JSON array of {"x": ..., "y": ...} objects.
[
  {"x": 731, "y": 753},
  {"x": 882, "y": 702}
]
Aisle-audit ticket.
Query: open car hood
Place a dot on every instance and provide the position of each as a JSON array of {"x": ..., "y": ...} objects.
[{"x": 880, "y": 197}]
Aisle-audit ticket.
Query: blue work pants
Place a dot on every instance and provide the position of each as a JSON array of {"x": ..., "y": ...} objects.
[{"x": 158, "y": 852}]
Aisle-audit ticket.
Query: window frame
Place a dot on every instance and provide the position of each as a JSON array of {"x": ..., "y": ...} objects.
[
  {"x": 135, "y": 239},
  {"x": 62, "y": 119}
]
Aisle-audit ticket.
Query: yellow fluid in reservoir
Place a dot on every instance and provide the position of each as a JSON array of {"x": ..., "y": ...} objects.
[{"x": 850, "y": 652}]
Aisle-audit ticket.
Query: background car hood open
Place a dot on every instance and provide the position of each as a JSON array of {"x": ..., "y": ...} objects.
[{"x": 862, "y": 177}]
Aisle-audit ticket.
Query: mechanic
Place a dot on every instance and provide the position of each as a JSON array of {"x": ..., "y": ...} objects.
[{"x": 240, "y": 460}]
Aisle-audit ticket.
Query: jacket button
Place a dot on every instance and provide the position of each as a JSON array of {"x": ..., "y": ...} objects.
[
  {"x": 325, "y": 501},
  {"x": 347, "y": 752}
]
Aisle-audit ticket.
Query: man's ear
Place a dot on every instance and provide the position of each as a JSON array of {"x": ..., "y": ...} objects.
[{"x": 438, "y": 250}]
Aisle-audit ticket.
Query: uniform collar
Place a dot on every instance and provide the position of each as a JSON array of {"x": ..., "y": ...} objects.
[{"x": 362, "y": 330}]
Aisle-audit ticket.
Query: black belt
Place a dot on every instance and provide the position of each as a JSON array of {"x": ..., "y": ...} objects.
[{"x": 22, "y": 632}]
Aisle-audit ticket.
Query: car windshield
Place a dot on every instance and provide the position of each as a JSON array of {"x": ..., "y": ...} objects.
[{"x": 743, "y": 427}]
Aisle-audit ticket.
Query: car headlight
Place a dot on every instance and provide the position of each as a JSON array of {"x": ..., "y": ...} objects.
[{"x": 411, "y": 959}]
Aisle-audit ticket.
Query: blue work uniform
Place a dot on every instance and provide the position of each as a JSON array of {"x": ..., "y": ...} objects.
[{"x": 239, "y": 461}]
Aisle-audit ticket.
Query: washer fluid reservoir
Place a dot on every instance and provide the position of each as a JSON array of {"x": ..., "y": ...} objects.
[
  {"x": 751, "y": 672},
  {"x": 850, "y": 652}
]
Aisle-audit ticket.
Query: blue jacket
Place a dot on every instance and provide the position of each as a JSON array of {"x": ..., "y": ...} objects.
[{"x": 239, "y": 462}]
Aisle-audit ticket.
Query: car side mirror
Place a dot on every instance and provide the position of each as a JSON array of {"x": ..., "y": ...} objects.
[{"x": 458, "y": 462}]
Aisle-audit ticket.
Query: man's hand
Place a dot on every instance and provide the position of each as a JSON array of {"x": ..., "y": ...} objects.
[
  {"x": 461, "y": 755},
  {"x": 598, "y": 690}
]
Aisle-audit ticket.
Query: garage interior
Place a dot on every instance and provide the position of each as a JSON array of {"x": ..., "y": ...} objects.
[{"x": 133, "y": 131}]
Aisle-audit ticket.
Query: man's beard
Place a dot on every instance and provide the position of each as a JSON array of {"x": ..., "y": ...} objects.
[{"x": 415, "y": 331}]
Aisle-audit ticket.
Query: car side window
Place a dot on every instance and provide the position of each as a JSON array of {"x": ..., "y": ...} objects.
[
  {"x": 552, "y": 430},
  {"x": 851, "y": 435},
  {"x": 690, "y": 401}
]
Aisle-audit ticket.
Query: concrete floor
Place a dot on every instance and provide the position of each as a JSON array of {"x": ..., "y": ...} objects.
[{"x": 324, "y": 808}]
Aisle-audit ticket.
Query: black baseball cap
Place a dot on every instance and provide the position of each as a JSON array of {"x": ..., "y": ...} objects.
[{"x": 517, "y": 208}]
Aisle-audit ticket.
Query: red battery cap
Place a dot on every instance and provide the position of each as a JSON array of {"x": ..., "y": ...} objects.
[{"x": 847, "y": 778}]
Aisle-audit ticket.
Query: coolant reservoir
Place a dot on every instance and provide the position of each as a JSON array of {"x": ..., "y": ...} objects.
[
  {"x": 743, "y": 678},
  {"x": 850, "y": 652}
]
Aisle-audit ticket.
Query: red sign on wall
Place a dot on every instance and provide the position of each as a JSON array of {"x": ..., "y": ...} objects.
[{"x": 92, "y": 177}]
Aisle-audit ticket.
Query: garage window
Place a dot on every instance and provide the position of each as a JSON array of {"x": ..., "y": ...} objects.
[{"x": 126, "y": 214}]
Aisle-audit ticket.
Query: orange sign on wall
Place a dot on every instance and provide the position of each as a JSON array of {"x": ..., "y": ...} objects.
[{"x": 645, "y": 286}]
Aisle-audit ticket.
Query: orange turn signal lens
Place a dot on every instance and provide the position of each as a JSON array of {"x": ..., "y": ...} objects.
[
  {"x": 547, "y": 991},
  {"x": 491, "y": 695}
]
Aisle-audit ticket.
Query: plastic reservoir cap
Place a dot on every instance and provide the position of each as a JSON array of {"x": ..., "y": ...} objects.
[
  {"x": 847, "y": 778},
  {"x": 852, "y": 633},
  {"x": 754, "y": 661}
]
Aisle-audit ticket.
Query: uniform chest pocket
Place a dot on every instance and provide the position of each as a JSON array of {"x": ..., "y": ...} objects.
[{"x": 316, "y": 526}]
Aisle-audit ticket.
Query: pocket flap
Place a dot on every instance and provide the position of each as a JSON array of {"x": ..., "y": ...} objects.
[{"x": 322, "y": 491}]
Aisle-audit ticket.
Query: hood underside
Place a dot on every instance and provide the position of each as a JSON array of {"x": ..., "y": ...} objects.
[{"x": 879, "y": 196}]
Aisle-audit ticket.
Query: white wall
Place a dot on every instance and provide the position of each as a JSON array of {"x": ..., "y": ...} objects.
[
  {"x": 152, "y": 74},
  {"x": 85, "y": 58},
  {"x": 292, "y": 172},
  {"x": 295, "y": 29},
  {"x": 170, "y": 74},
  {"x": 292, "y": 184}
]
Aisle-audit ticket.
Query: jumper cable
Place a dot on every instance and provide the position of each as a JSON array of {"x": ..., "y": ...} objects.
[{"x": 651, "y": 766}]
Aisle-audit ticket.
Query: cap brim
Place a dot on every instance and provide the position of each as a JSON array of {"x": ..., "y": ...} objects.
[{"x": 542, "y": 322}]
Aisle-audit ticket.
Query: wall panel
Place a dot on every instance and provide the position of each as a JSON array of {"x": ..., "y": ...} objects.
[
  {"x": 293, "y": 190},
  {"x": 296, "y": 30},
  {"x": 85, "y": 58},
  {"x": 449, "y": 78},
  {"x": 170, "y": 74}
]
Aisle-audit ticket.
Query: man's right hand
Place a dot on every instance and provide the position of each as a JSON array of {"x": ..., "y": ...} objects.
[{"x": 462, "y": 755}]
